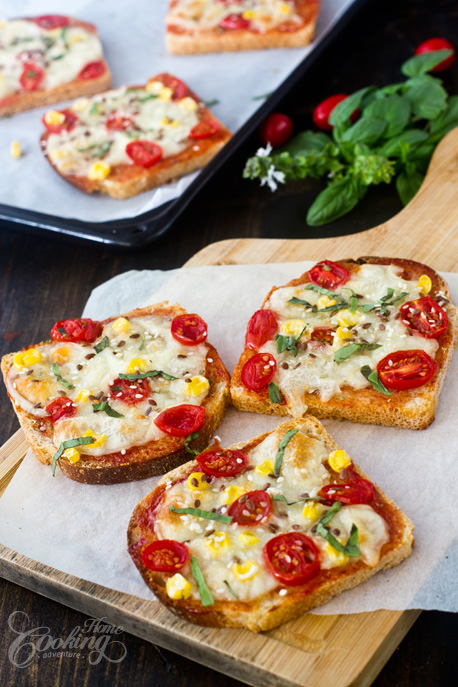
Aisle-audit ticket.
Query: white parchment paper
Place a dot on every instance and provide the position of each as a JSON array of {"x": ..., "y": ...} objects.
[
  {"x": 81, "y": 529},
  {"x": 132, "y": 34}
]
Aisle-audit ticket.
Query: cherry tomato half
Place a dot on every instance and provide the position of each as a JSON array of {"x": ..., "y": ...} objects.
[
  {"x": 252, "y": 508},
  {"x": 261, "y": 327},
  {"x": 165, "y": 555},
  {"x": 292, "y": 558},
  {"x": 92, "y": 71},
  {"x": 357, "y": 491},
  {"x": 178, "y": 87},
  {"x": 117, "y": 121},
  {"x": 258, "y": 371},
  {"x": 406, "y": 369},
  {"x": 144, "y": 153},
  {"x": 425, "y": 316},
  {"x": 328, "y": 274},
  {"x": 322, "y": 112},
  {"x": 130, "y": 391},
  {"x": 31, "y": 77},
  {"x": 222, "y": 462},
  {"x": 433, "y": 44},
  {"x": 234, "y": 21},
  {"x": 204, "y": 129},
  {"x": 60, "y": 407},
  {"x": 180, "y": 421},
  {"x": 80, "y": 329},
  {"x": 52, "y": 21},
  {"x": 276, "y": 129},
  {"x": 323, "y": 334},
  {"x": 189, "y": 329},
  {"x": 68, "y": 123}
]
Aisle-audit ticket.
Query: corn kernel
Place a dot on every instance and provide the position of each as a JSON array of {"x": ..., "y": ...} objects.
[
  {"x": 99, "y": 170},
  {"x": 54, "y": 118},
  {"x": 342, "y": 334},
  {"x": 197, "y": 481},
  {"x": 72, "y": 454},
  {"x": 188, "y": 103},
  {"x": 15, "y": 149},
  {"x": 178, "y": 587},
  {"x": 265, "y": 468},
  {"x": 232, "y": 493},
  {"x": 245, "y": 571},
  {"x": 83, "y": 395},
  {"x": 165, "y": 93},
  {"x": 338, "y": 460},
  {"x": 346, "y": 318},
  {"x": 121, "y": 325},
  {"x": 197, "y": 386},
  {"x": 218, "y": 542},
  {"x": 336, "y": 556},
  {"x": 97, "y": 441},
  {"x": 77, "y": 37},
  {"x": 136, "y": 365},
  {"x": 249, "y": 14},
  {"x": 325, "y": 302},
  {"x": 27, "y": 358},
  {"x": 312, "y": 511},
  {"x": 424, "y": 284},
  {"x": 247, "y": 538},
  {"x": 154, "y": 86},
  {"x": 293, "y": 327},
  {"x": 166, "y": 121}
]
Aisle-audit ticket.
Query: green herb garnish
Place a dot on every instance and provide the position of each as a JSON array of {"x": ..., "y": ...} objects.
[
  {"x": 207, "y": 514},
  {"x": 231, "y": 591},
  {"x": 192, "y": 436},
  {"x": 350, "y": 349},
  {"x": 204, "y": 592},
  {"x": 150, "y": 96},
  {"x": 351, "y": 548},
  {"x": 60, "y": 379},
  {"x": 98, "y": 149},
  {"x": 144, "y": 375},
  {"x": 106, "y": 408},
  {"x": 274, "y": 393},
  {"x": 69, "y": 443},
  {"x": 281, "y": 450},
  {"x": 301, "y": 301},
  {"x": 98, "y": 348},
  {"x": 142, "y": 343},
  {"x": 383, "y": 303},
  {"x": 372, "y": 377},
  {"x": 211, "y": 103},
  {"x": 288, "y": 343}
]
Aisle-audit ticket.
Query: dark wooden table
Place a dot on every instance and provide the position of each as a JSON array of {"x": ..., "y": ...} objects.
[{"x": 45, "y": 277}]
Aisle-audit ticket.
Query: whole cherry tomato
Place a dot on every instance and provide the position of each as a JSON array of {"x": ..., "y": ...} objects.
[
  {"x": 276, "y": 129},
  {"x": 293, "y": 558},
  {"x": 433, "y": 44},
  {"x": 165, "y": 555},
  {"x": 322, "y": 112}
]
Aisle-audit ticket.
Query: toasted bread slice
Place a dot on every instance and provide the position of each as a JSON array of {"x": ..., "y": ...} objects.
[
  {"x": 48, "y": 59},
  {"x": 216, "y": 27},
  {"x": 134, "y": 138},
  {"x": 326, "y": 332},
  {"x": 232, "y": 540},
  {"x": 114, "y": 385}
]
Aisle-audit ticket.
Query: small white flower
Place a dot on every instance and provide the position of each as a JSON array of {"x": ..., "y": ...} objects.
[
  {"x": 273, "y": 178},
  {"x": 264, "y": 152}
]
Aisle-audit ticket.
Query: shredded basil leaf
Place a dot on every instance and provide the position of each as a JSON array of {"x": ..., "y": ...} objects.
[
  {"x": 300, "y": 301},
  {"x": 274, "y": 393},
  {"x": 281, "y": 450},
  {"x": 204, "y": 592},
  {"x": 351, "y": 548},
  {"x": 192, "y": 436},
  {"x": 69, "y": 443},
  {"x": 142, "y": 343},
  {"x": 60, "y": 379},
  {"x": 207, "y": 514},
  {"x": 105, "y": 406},
  {"x": 288, "y": 343},
  {"x": 144, "y": 375},
  {"x": 231, "y": 591},
  {"x": 350, "y": 349},
  {"x": 385, "y": 301},
  {"x": 102, "y": 344},
  {"x": 211, "y": 103},
  {"x": 372, "y": 377}
]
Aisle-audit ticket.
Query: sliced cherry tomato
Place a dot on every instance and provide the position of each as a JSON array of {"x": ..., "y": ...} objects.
[
  {"x": 234, "y": 21},
  {"x": 292, "y": 558},
  {"x": 178, "y": 87},
  {"x": 323, "y": 334},
  {"x": 31, "y": 77},
  {"x": 261, "y": 327},
  {"x": 252, "y": 508},
  {"x": 276, "y": 129},
  {"x": 130, "y": 391},
  {"x": 80, "y": 329},
  {"x": 92, "y": 71},
  {"x": 258, "y": 371},
  {"x": 189, "y": 329},
  {"x": 328, "y": 274},
  {"x": 52, "y": 21},
  {"x": 358, "y": 490},
  {"x": 144, "y": 153},
  {"x": 60, "y": 407},
  {"x": 68, "y": 123},
  {"x": 204, "y": 129},
  {"x": 425, "y": 316},
  {"x": 322, "y": 112},
  {"x": 433, "y": 44},
  {"x": 406, "y": 369},
  {"x": 223, "y": 462},
  {"x": 180, "y": 421},
  {"x": 118, "y": 121},
  {"x": 165, "y": 555}
]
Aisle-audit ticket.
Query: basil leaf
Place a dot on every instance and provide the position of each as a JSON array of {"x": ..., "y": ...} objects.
[
  {"x": 407, "y": 185},
  {"x": 288, "y": 343},
  {"x": 69, "y": 443},
  {"x": 306, "y": 142},
  {"x": 350, "y": 349},
  {"x": 274, "y": 393},
  {"x": 446, "y": 121},
  {"x": 351, "y": 548},
  {"x": 231, "y": 591},
  {"x": 327, "y": 517},
  {"x": 366, "y": 130},
  {"x": 394, "y": 110},
  {"x": 336, "y": 200},
  {"x": 60, "y": 379},
  {"x": 102, "y": 344},
  {"x": 300, "y": 301},
  {"x": 144, "y": 375},
  {"x": 198, "y": 512},
  {"x": 325, "y": 292},
  {"x": 204, "y": 592},
  {"x": 150, "y": 96},
  {"x": 211, "y": 103},
  {"x": 373, "y": 378},
  {"x": 192, "y": 436},
  {"x": 427, "y": 97},
  {"x": 420, "y": 64},
  {"x": 106, "y": 408},
  {"x": 281, "y": 450}
]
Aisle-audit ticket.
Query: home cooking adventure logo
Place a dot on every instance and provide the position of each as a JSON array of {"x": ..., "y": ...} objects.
[{"x": 93, "y": 641}]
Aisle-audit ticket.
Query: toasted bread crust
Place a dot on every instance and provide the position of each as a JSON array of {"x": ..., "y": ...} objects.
[
  {"x": 411, "y": 409},
  {"x": 137, "y": 462},
  {"x": 270, "y": 609}
]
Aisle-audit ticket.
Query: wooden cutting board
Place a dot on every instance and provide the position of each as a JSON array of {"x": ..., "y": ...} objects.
[{"x": 316, "y": 651}]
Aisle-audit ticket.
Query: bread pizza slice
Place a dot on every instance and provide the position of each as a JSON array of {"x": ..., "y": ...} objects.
[
  {"x": 258, "y": 533},
  {"x": 121, "y": 399},
  {"x": 367, "y": 340},
  {"x": 132, "y": 139},
  {"x": 47, "y": 59},
  {"x": 202, "y": 26}
]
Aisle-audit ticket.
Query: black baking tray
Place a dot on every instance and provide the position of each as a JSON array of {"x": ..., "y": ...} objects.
[{"x": 133, "y": 232}]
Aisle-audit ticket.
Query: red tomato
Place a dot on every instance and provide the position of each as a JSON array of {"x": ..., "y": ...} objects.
[
  {"x": 433, "y": 44},
  {"x": 322, "y": 112},
  {"x": 60, "y": 407},
  {"x": 92, "y": 71},
  {"x": 425, "y": 316},
  {"x": 323, "y": 334},
  {"x": 204, "y": 129},
  {"x": 406, "y": 369},
  {"x": 178, "y": 87},
  {"x": 357, "y": 491},
  {"x": 68, "y": 124},
  {"x": 52, "y": 21},
  {"x": 293, "y": 558},
  {"x": 328, "y": 274},
  {"x": 222, "y": 462},
  {"x": 258, "y": 371},
  {"x": 276, "y": 129},
  {"x": 130, "y": 391},
  {"x": 234, "y": 21},
  {"x": 261, "y": 327},
  {"x": 80, "y": 329},
  {"x": 180, "y": 421},
  {"x": 252, "y": 508},
  {"x": 31, "y": 77},
  {"x": 165, "y": 555},
  {"x": 144, "y": 153},
  {"x": 189, "y": 329},
  {"x": 118, "y": 122}
]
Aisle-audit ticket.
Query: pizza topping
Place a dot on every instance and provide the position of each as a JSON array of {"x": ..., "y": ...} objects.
[
  {"x": 258, "y": 371},
  {"x": 131, "y": 392},
  {"x": 204, "y": 592},
  {"x": 222, "y": 462},
  {"x": 32, "y": 77},
  {"x": 61, "y": 407},
  {"x": 165, "y": 556},
  {"x": 181, "y": 420},
  {"x": 200, "y": 513},
  {"x": 406, "y": 369},
  {"x": 52, "y": 21},
  {"x": 356, "y": 491},
  {"x": 281, "y": 450},
  {"x": 425, "y": 316},
  {"x": 328, "y": 274},
  {"x": 57, "y": 121},
  {"x": 78, "y": 330},
  {"x": 92, "y": 70},
  {"x": 293, "y": 558},
  {"x": 261, "y": 327},
  {"x": 206, "y": 128},
  {"x": 254, "y": 507},
  {"x": 144, "y": 153},
  {"x": 189, "y": 329}
]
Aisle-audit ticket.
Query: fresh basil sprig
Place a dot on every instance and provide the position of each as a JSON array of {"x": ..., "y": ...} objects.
[
  {"x": 351, "y": 548},
  {"x": 350, "y": 349},
  {"x": 99, "y": 347},
  {"x": 288, "y": 343},
  {"x": 274, "y": 393},
  {"x": 372, "y": 377},
  {"x": 383, "y": 302}
]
